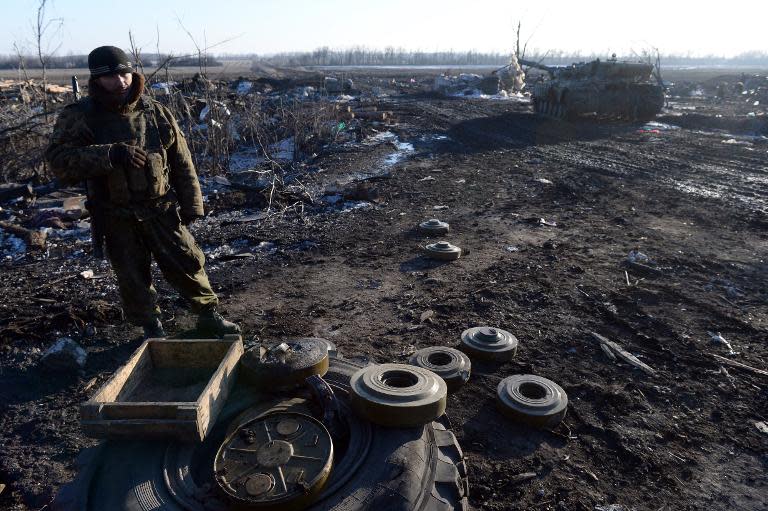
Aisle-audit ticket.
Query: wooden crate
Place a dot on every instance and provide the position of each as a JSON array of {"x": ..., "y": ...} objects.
[{"x": 168, "y": 388}]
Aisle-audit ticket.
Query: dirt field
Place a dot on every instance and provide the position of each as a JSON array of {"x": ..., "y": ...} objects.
[
  {"x": 229, "y": 69},
  {"x": 693, "y": 199}
]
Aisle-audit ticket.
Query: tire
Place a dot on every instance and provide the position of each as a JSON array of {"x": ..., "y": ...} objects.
[{"x": 414, "y": 469}]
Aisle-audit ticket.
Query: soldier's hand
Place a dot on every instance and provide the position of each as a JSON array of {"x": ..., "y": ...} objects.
[{"x": 127, "y": 156}]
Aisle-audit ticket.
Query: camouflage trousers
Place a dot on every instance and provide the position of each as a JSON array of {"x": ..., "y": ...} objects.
[{"x": 132, "y": 243}]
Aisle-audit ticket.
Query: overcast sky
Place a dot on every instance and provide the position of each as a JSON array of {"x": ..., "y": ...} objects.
[{"x": 271, "y": 26}]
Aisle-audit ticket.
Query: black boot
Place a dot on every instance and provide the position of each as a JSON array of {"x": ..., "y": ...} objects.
[
  {"x": 210, "y": 322},
  {"x": 153, "y": 329}
]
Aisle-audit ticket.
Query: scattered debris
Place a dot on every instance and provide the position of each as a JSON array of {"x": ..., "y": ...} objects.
[
  {"x": 719, "y": 339},
  {"x": 611, "y": 507},
  {"x": 90, "y": 275},
  {"x": 34, "y": 239},
  {"x": 548, "y": 223},
  {"x": 640, "y": 262},
  {"x": 762, "y": 427},
  {"x": 618, "y": 351},
  {"x": 635, "y": 256},
  {"x": 520, "y": 478},
  {"x": 739, "y": 365},
  {"x": 64, "y": 355},
  {"x": 9, "y": 191}
]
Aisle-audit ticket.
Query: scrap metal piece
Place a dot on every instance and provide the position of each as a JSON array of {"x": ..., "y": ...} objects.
[
  {"x": 532, "y": 400},
  {"x": 434, "y": 226},
  {"x": 285, "y": 365},
  {"x": 489, "y": 343},
  {"x": 450, "y": 364},
  {"x": 398, "y": 395},
  {"x": 325, "y": 396},
  {"x": 282, "y": 462},
  {"x": 443, "y": 251}
]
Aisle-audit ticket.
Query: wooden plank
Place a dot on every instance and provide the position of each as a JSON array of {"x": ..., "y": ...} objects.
[
  {"x": 111, "y": 389},
  {"x": 216, "y": 392},
  {"x": 188, "y": 353},
  {"x": 147, "y": 410},
  {"x": 140, "y": 371},
  {"x": 186, "y": 430},
  {"x": 90, "y": 410}
]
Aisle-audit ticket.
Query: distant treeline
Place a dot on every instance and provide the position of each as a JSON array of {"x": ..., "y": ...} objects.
[
  {"x": 387, "y": 57},
  {"x": 361, "y": 56},
  {"x": 400, "y": 57},
  {"x": 81, "y": 61}
]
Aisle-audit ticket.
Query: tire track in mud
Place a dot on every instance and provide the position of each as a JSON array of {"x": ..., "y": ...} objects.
[
  {"x": 699, "y": 167},
  {"x": 692, "y": 171}
]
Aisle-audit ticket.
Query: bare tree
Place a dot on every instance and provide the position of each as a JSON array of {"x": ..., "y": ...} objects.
[
  {"x": 520, "y": 53},
  {"x": 45, "y": 30},
  {"x": 21, "y": 63},
  {"x": 135, "y": 52}
]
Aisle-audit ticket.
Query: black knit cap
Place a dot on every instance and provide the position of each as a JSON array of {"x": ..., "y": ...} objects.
[{"x": 106, "y": 60}]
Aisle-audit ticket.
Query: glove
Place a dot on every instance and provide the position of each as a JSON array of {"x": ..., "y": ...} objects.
[
  {"x": 124, "y": 155},
  {"x": 188, "y": 219}
]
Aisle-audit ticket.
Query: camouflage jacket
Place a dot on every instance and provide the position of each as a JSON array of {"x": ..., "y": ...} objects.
[{"x": 79, "y": 151}]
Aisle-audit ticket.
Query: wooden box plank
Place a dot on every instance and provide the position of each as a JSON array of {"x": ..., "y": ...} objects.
[{"x": 168, "y": 388}]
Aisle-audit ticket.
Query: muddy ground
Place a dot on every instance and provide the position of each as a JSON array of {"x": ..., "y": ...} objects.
[{"x": 693, "y": 199}]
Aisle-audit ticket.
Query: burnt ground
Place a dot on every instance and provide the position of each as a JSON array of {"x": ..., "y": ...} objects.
[{"x": 691, "y": 199}]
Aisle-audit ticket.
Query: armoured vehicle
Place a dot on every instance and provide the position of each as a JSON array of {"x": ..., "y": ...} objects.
[{"x": 609, "y": 89}]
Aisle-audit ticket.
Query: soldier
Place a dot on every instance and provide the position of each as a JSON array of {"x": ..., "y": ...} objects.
[{"x": 142, "y": 187}]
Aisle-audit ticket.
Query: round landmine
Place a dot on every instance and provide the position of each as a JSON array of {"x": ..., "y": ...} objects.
[
  {"x": 434, "y": 226},
  {"x": 277, "y": 461},
  {"x": 285, "y": 365},
  {"x": 489, "y": 343},
  {"x": 450, "y": 364},
  {"x": 443, "y": 251},
  {"x": 332, "y": 351},
  {"x": 398, "y": 395},
  {"x": 532, "y": 400}
]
